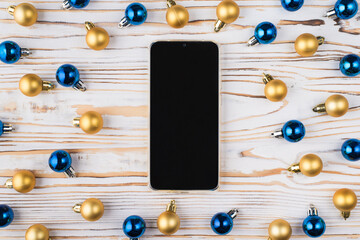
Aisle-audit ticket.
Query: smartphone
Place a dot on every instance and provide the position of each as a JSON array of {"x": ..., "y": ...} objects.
[{"x": 184, "y": 115}]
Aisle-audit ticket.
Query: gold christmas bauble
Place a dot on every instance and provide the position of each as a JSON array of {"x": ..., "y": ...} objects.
[
  {"x": 92, "y": 209},
  {"x": 168, "y": 223},
  {"x": 177, "y": 16},
  {"x": 25, "y": 14},
  {"x": 311, "y": 165},
  {"x": 23, "y": 181},
  {"x": 279, "y": 229},
  {"x": 37, "y": 232},
  {"x": 306, "y": 45},
  {"x": 275, "y": 90},
  {"x": 227, "y": 11},
  {"x": 336, "y": 105},
  {"x": 31, "y": 85},
  {"x": 91, "y": 122},
  {"x": 345, "y": 200},
  {"x": 97, "y": 38}
]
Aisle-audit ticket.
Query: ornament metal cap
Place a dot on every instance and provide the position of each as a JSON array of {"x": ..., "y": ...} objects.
[
  {"x": 312, "y": 211},
  {"x": 11, "y": 9},
  {"x": 277, "y": 133},
  {"x": 66, "y": 5},
  {"x": 331, "y": 13},
  {"x": 252, "y": 42},
  {"x": 70, "y": 172},
  {"x": 170, "y": 3},
  {"x": 24, "y": 52},
  {"x": 7, "y": 127},
  {"x": 124, "y": 23},
  {"x": 80, "y": 86},
  {"x": 233, "y": 213}
]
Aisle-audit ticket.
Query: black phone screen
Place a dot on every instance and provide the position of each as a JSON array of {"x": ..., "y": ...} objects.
[{"x": 184, "y": 115}]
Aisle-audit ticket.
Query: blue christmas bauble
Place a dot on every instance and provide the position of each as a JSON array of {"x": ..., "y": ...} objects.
[
  {"x": 134, "y": 226},
  {"x": 79, "y": 3},
  {"x": 6, "y": 215},
  {"x": 350, "y": 65},
  {"x": 10, "y": 52},
  {"x": 67, "y": 75},
  {"x": 346, "y": 9},
  {"x": 314, "y": 226},
  {"x": 221, "y": 223},
  {"x": 351, "y": 149},
  {"x": 136, "y": 13},
  {"x": 292, "y": 5},
  {"x": 265, "y": 32},
  {"x": 293, "y": 131},
  {"x": 60, "y": 161}
]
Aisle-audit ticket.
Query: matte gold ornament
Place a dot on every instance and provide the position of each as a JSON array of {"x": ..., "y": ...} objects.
[
  {"x": 23, "y": 181},
  {"x": 92, "y": 209},
  {"x": 91, "y": 122},
  {"x": 31, "y": 85},
  {"x": 310, "y": 165},
  {"x": 97, "y": 38},
  {"x": 37, "y": 232},
  {"x": 307, "y": 44},
  {"x": 345, "y": 200},
  {"x": 24, "y": 14},
  {"x": 169, "y": 222},
  {"x": 177, "y": 16},
  {"x": 336, "y": 106},
  {"x": 275, "y": 90},
  {"x": 227, "y": 12},
  {"x": 279, "y": 229}
]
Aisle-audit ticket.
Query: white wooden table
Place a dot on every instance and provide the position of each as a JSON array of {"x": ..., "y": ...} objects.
[{"x": 112, "y": 165}]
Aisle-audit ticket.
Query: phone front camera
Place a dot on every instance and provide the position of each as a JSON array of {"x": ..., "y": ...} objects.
[{"x": 184, "y": 45}]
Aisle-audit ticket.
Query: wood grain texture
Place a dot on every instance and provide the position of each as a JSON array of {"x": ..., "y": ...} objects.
[{"x": 112, "y": 165}]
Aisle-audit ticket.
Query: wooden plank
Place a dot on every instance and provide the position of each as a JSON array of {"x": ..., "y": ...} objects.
[{"x": 112, "y": 165}]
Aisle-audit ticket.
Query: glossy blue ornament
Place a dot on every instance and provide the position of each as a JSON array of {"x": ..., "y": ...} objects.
[
  {"x": 68, "y": 4},
  {"x": 67, "y": 75},
  {"x": 343, "y": 9},
  {"x": 265, "y": 33},
  {"x": 313, "y": 226},
  {"x": 222, "y": 223},
  {"x": 292, "y": 131},
  {"x": 134, "y": 227},
  {"x": 351, "y": 149},
  {"x": 5, "y": 128},
  {"x": 135, "y": 14},
  {"x": 292, "y": 5},
  {"x": 10, "y": 52},
  {"x": 350, "y": 65},
  {"x": 6, "y": 215},
  {"x": 60, "y": 161}
]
